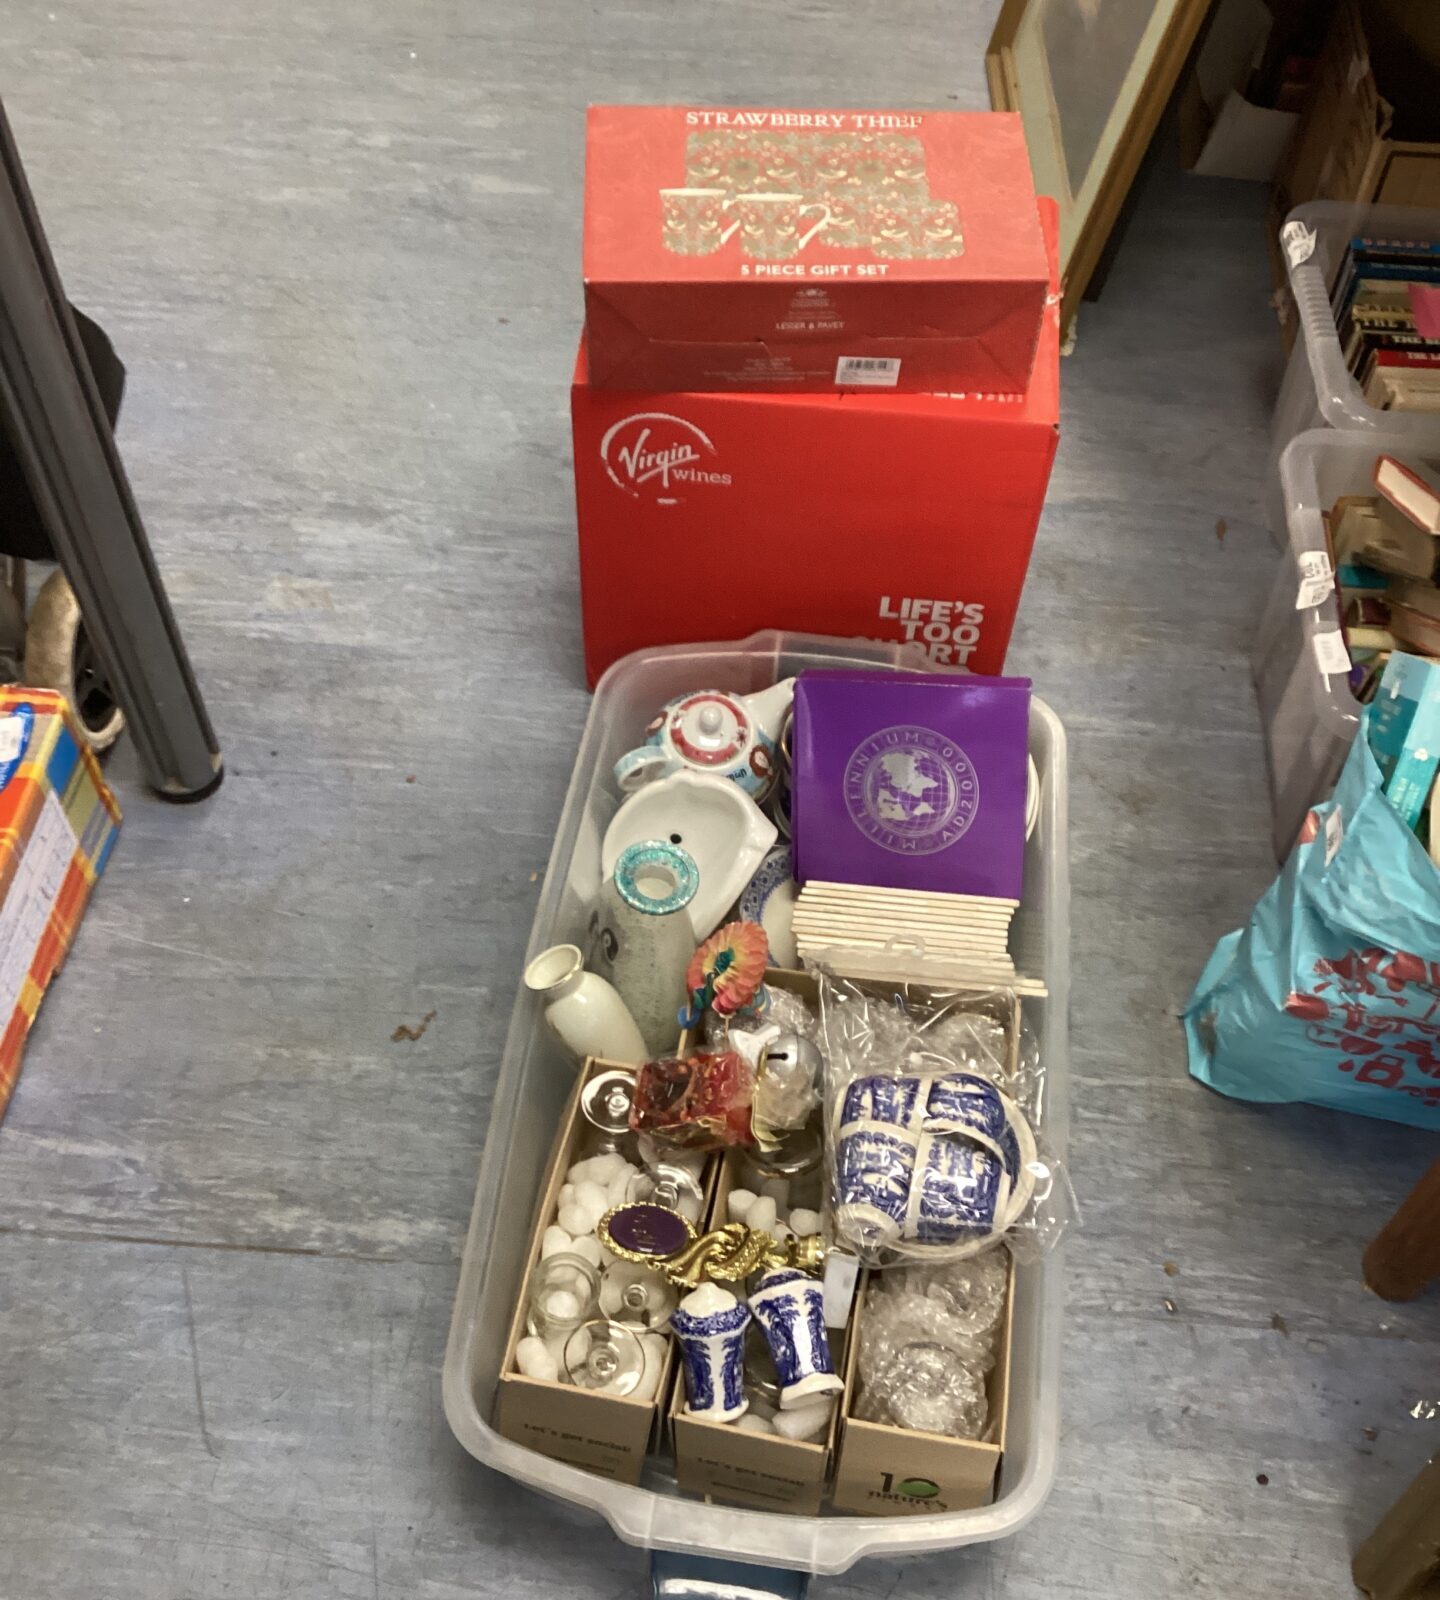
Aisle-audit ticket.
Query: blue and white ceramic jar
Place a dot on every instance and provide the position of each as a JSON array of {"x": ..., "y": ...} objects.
[
  {"x": 710, "y": 1325},
  {"x": 790, "y": 1308},
  {"x": 963, "y": 1188},
  {"x": 874, "y": 1172}
]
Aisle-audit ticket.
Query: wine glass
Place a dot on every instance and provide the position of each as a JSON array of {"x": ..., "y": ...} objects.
[
  {"x": 630, "y": 1292},
  {"x": 604, "y": 1355}
]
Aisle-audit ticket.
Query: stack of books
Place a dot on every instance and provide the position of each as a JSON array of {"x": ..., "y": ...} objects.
[
  {"x": 1385, "y": 549},
  {"x": 1387, "y": 311}
]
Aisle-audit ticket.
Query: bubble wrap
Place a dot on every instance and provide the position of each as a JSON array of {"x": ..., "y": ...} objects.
[
  {"x": 787, "y": 1011},
  {"x": 876, "y": 1037},
  {"x": 928, "y": 1342}
]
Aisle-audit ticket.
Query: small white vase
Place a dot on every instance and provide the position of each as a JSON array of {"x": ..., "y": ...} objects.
[{"x": 584, "y": 1012}]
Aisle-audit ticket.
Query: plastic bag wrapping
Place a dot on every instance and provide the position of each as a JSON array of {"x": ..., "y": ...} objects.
[
  {"x": 932, "y": 1097},
  {"x": 1331, "y": 992},
  {"x": 699, "y": 1102},
  {"x": 780, "y": 1007},
  {"x": 782, "y": 1045},
  {"x": 928, "y": 1342}
]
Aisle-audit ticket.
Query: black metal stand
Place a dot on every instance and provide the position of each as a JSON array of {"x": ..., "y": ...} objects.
[{"x": 51, "y": 412}]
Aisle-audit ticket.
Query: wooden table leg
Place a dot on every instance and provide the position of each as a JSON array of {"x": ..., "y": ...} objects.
[
  {"x": 1404, "y": 1257},
  {"x": 1401, "y": 1559}
]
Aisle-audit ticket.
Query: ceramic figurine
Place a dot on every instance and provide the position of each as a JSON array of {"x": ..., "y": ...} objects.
[
  {"x": 787, "y": 1073},
  {"x": 726, "y": 735},
  {"x": 584, "y": 1012},
  {"x": 790, "y": 1308},
  {"x": 721, "y": 829},
  {"x": 645, "y": 942},
  {"x": 710, "y": 1325},
  {"x": 727, "y": 973}
]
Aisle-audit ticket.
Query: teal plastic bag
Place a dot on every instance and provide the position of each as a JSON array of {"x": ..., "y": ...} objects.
[{"x": 1331, "y": 993}]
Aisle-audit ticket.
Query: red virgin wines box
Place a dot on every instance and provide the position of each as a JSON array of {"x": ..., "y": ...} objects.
[
  {"x": 809, "y": 251},
  {"x": 890, "y": 516}
]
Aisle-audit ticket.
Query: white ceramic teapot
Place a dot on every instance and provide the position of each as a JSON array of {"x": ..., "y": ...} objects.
[{"x": 724, "y": 735}]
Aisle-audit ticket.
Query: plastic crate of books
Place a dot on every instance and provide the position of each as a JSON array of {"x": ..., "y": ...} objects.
[
  {"x": 1319, "y": 389},
  {"x": 1300, "y": 663},
  {"x": 534, "y": 1081}
]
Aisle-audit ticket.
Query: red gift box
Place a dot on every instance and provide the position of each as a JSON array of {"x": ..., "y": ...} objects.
[
  {"x": 810, "y": 250},
  {"x": 709, "y": 516}
]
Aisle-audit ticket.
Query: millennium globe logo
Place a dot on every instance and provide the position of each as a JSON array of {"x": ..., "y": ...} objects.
[{"x": 911, "y": 790}]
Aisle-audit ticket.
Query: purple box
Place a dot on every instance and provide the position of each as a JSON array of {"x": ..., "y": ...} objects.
[{"x": 910, "y": 781}]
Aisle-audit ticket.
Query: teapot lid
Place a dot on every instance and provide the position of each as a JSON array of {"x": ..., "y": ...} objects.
[{"x": 710, "y": 729}]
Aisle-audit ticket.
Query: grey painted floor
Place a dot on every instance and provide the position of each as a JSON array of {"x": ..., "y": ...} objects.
[{"x": 337, "y": 246}]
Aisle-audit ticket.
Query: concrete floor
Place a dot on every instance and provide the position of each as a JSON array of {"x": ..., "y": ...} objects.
[{"x": 338, "y": 247}]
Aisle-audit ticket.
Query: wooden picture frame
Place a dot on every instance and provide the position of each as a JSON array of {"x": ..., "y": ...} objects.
[{"x": 1087, "y": 219}]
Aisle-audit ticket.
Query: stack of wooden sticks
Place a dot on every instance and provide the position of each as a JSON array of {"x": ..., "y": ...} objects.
[{"x": 969, "y": 934}]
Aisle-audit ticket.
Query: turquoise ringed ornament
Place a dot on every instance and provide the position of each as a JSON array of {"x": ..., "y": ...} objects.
[{"x": 652, "y": 854}]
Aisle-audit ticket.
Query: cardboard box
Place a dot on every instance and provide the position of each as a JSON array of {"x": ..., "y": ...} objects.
[
  {"x": 894, "y": 1472},
  {"x": 607, "y": 1434},
  {"x": 771, "y": 249},
  {"x": 1222, "y": 134},
  {"x": 721, "y": 1462},
  {"x": 1342, "y": 148},
  {"x": 905, "y": 517},
  {"x": 58, "y": 824}
]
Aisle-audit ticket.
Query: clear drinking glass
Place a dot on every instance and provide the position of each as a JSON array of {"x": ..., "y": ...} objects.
[{"x": 564, "y": 1292}]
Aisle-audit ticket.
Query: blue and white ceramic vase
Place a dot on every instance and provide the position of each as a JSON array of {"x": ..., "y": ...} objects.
[
  {"x": 645, "y": 939},
  {"x": 790, "y": 1308},
  {"x": 710, "y": 1326}
]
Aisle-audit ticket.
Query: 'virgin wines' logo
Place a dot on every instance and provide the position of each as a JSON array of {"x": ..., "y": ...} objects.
[{"x": 654, "y": 456}]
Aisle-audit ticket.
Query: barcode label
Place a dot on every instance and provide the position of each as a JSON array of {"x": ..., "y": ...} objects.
[
  {"x": 1298, "y": 242},
  {"x": 1317, "y": 579},
  {"x": 878, "y": 371},
  {"x": 1331, "y": 653}
]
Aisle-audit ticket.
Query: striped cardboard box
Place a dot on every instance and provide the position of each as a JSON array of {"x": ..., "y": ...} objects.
[{"x": 58, "y": 824}]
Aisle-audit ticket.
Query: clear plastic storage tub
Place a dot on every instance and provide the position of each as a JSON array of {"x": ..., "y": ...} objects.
[
  {"x": 1308, "y": 713},
  {"x": 535, "y": 1078},
  {"x": 1318, "y": 390}
]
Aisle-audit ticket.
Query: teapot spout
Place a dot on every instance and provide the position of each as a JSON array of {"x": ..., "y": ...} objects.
[{"x": 769, "y": 707}]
